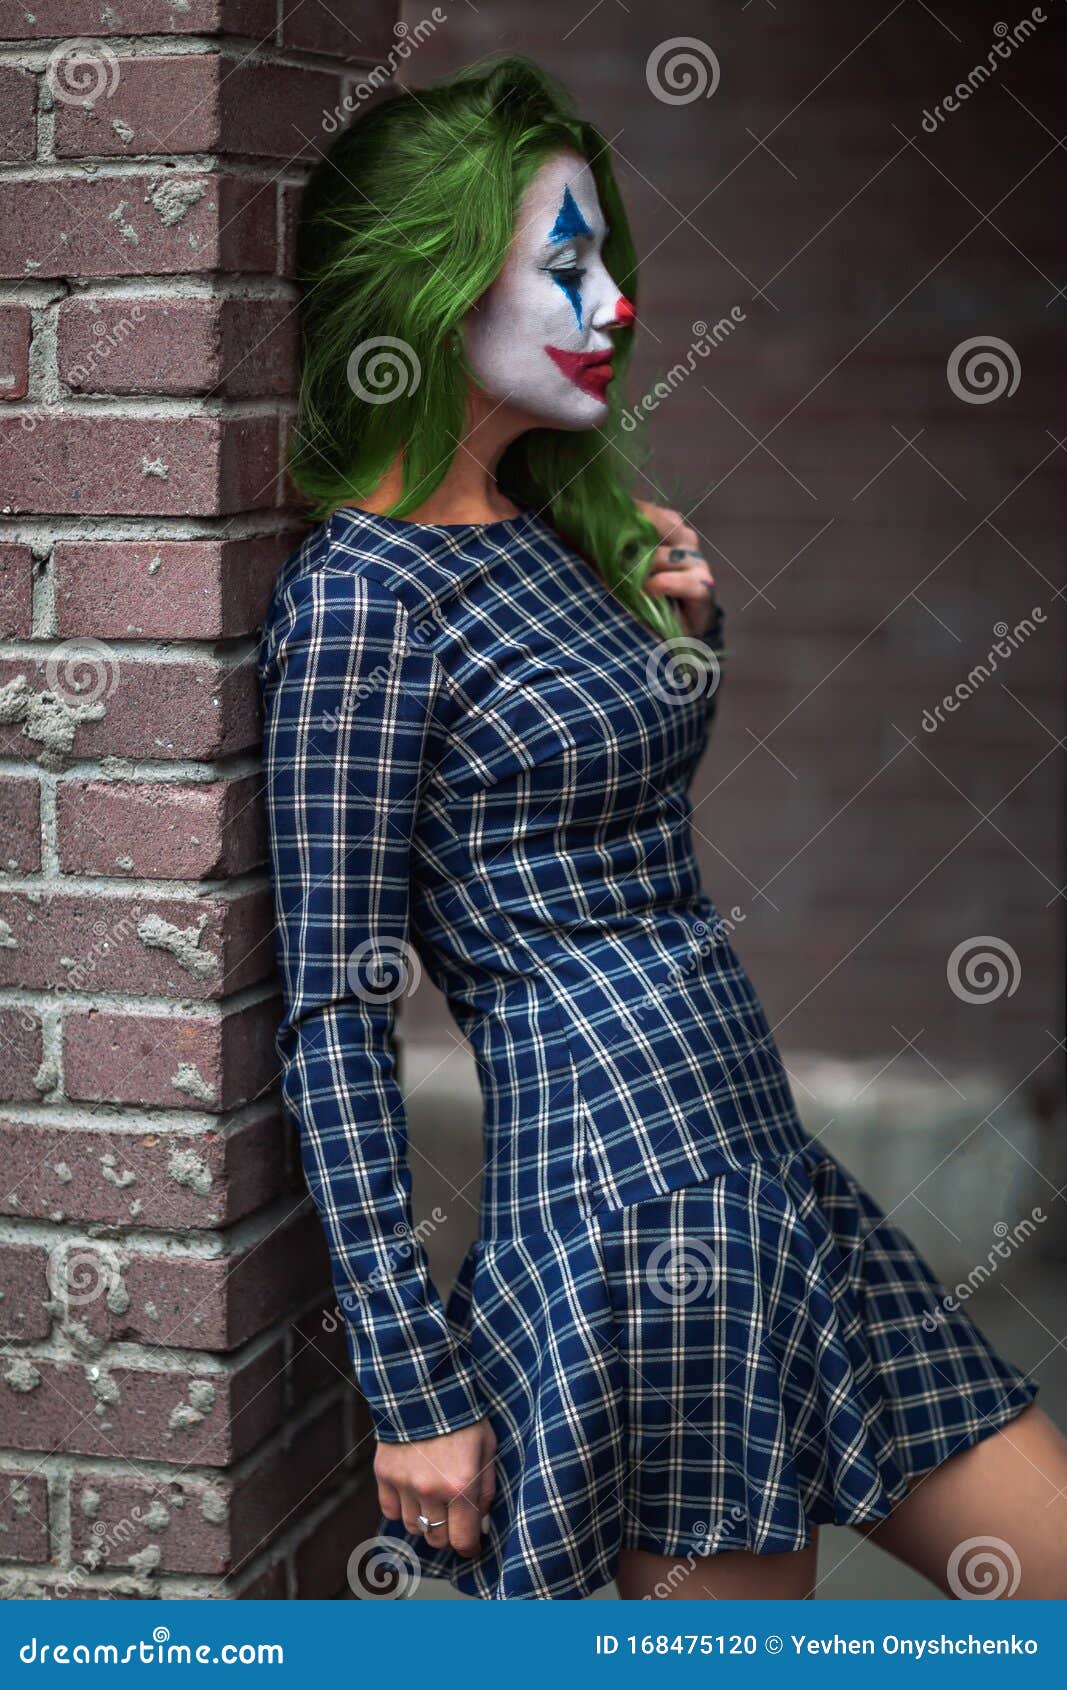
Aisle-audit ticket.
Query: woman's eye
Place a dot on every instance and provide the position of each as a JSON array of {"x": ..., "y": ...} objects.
[{"x": 566, "y": 273}]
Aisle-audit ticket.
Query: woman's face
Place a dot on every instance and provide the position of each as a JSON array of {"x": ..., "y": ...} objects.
[{"x": 538, "y": 338}]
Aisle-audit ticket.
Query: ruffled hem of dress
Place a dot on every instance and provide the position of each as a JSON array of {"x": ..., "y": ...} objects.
[{"x": 544, "y": 1321}]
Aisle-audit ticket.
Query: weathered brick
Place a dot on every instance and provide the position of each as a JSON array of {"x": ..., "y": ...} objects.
[
  {"x": 290, "y": 200},
  {"x": 176, "y": 589},
  {"x": 23, "y": 1515},
  {"x": 67, "y": 18},
  {"x": 159, "y": 105},
  {"x": 162, "y": 224},
  {"x": 258, "y": 353},
  {"x": 24, "y": 1277},
  {"x": 161, "y": 830},
  {"x": 20, "y": 1053},
  {"x": 16, "y": 591},
  {"x": 128, "y": 707},
  {"x": 319, "y": 1353},
  {"x": 200, "y": 1525},
  {"x": 215, "y": 1303},
  {"x": 71, "y": 463},
  {"x": 16, "y": 329},
  {"x": 18, "y": 98},
  {"x": 210, "y": 1418},
  {"x": 235, "y": 348},
  {"x": 320, "y": 1562},
  {"x": 201, "y": 103},
  {"x": 269, "y": 1585},
  {"x": 71, "y": 941},
  {"x": 319, "y": 26},
  {"x": 20, "y": 824},
  {"x": 158, "y": 1179},
  {"x": 183, "y": 1062}
]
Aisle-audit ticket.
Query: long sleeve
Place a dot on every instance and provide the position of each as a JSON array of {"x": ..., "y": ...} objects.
[{"x": 347, "y": 703}]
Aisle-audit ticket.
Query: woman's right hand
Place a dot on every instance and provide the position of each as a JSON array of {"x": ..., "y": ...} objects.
[{"x": 450, "y": 1478}]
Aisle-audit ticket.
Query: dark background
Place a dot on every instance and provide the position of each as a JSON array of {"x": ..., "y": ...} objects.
[{"x": 867, "y": 528}]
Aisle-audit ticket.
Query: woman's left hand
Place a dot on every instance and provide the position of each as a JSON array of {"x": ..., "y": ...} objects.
[{"x": 680, "y": 569}]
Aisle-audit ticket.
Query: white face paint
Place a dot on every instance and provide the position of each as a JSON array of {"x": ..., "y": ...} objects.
[{"x": 537, "y": 338}]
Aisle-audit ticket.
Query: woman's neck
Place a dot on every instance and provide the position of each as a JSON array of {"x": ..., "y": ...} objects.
[{"x": 469, "y": 491}]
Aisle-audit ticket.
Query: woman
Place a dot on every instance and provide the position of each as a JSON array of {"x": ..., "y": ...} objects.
[{"x": 683, "y": 1331}]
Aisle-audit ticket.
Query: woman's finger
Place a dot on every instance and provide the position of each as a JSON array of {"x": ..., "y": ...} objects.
[
  {"x": 679, "y": 583},
  {"x": 434, "y": 1509},
  {"x": 389, "y": 1500}
]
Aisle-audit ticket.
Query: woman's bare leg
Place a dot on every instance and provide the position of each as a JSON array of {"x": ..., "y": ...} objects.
[
  {"x": 735, "y": 1575},
  {"x": 992, "y": 1518}
]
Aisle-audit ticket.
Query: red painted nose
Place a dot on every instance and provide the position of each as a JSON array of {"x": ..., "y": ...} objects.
[{"x": 624, "y": 313}]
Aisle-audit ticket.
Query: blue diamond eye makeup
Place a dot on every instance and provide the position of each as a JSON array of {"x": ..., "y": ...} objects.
[
  {"x": 568, "y": 226},
  {"x": 539, "y": 337}
]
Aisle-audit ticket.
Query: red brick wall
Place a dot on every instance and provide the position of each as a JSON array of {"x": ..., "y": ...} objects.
[
  {"x": 863, "y": 575},
  {"x": 175, "y": 1415}
]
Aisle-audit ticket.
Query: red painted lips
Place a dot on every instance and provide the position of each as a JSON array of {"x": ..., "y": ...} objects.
[{"x": 591, "y": 371}]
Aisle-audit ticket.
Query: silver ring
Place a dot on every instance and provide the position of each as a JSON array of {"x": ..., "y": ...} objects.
[{"x": 428, "y": 1525}]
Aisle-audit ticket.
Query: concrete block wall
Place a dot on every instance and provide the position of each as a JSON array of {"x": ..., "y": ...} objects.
[{"x": 176, "y": 1413}]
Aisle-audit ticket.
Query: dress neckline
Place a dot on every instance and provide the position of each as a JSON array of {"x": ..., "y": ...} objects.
[{"x": 404, "y": 525}]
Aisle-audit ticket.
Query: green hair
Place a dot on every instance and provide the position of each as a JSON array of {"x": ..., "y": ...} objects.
[{"x": 406, "y": 221}]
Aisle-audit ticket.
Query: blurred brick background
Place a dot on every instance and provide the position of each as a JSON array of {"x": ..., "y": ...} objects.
[{"x": 867, "y": 528}]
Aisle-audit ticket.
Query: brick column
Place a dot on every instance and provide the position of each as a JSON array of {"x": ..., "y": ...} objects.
[{"x": 176, "y": 1415}]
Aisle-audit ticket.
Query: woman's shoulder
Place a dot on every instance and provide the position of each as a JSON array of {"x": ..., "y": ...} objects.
[{"x": 332, "y": 574}]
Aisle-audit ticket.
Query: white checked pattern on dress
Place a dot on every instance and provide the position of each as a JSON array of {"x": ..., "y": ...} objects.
[{"x": 465, "y": 755}]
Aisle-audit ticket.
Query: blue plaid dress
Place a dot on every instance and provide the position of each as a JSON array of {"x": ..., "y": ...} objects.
[{"x": 690, "y": 1328}]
